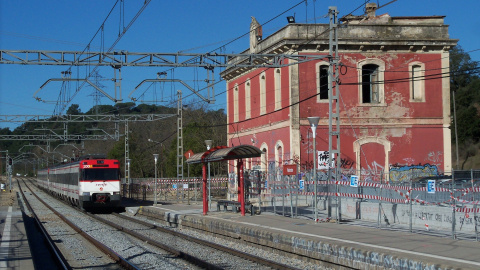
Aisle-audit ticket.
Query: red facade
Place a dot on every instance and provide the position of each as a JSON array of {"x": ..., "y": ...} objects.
[{"x": 394, "y": 103}]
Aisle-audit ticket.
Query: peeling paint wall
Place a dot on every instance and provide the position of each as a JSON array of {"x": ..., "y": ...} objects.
[{"x": 415, "y": 128}]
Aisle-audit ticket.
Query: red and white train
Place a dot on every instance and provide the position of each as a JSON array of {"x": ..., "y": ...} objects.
[{"x": 89, "y": 183}]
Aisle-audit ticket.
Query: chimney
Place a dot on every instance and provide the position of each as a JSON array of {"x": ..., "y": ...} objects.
[{"x": 370, "y": 8}]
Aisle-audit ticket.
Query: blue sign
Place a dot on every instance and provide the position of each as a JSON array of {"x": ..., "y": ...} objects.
[
  {"x": 431, "y": 186},
  {"x": 354, "y": 181},
  {"x": 301, "y": 184},
  {"x": 174, "y": 186}
]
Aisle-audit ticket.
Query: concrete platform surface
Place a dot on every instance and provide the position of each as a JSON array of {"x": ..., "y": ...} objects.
[
  {"x": 15, "y": 250},
  {"x": 349, "y": 245}
]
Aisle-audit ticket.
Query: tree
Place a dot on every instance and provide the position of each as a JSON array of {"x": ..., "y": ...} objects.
[
  {"x": 74, "y": 110},
  {"x": 465, "y": 82}
]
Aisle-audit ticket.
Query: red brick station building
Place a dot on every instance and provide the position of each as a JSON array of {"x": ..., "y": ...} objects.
[{"x": 394, "y": 97}]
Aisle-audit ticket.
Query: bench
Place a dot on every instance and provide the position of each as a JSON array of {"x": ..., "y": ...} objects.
[{"x": 235, "y": 205}]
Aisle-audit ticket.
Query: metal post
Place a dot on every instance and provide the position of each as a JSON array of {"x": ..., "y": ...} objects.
[
  {"x": 313, "y": 124},
  {"x": 209, "y": 194},
  {"x": 179, "y": 142},
  {"x": 127, "y": 180},
  {"x": 291, "y": 199},
  {"x": 10, "y": 171},
  {"x": 204, "y": 189},
  {"x": 283, "y": 194},
  {"x": 411, "y": 212},
  {"x": 127, "y": 156},
  {"x": 453, "y": 207},
  {"x": 455, "y": 120},
  {"x": 194, "y": 183},
  {"x": 155, "y": 156},
  {"x": 298, "y": 190},
  {"x": 209, "y": 144},
  {"x": 241, "y": 180},
  {"x": 474, "y": 207}
]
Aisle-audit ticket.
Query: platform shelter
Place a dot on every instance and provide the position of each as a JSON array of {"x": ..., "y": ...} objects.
[{"x": 223, "y": 153}]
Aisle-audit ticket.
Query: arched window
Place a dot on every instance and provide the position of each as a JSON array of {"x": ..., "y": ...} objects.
[
  {"x": 322, "y": 81},
  {"x": 371, "y": 81},
  {"x": 247, "y": 99},
  {"x": 264, "y": 157},
  {"x": 417, "y": 81},
  {"x": 278, "y": 89},
  {"x": 236, "y": 103},
  {"x": 263, "y": 93},
  {"x": 279, "y": 153}
]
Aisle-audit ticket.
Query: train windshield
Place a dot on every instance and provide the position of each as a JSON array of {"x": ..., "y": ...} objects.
[{"x": 100, "y": 174}]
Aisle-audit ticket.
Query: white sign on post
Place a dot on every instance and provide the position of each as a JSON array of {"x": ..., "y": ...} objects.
[
  {"x": 301, "y": 184},
  {"x": 431, "y": 186},
  {"x": 323, "y": 157},
  {"x": 354, "y": 181}
]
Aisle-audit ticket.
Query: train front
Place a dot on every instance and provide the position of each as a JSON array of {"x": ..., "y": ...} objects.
[{"x": 99, "y": 183}]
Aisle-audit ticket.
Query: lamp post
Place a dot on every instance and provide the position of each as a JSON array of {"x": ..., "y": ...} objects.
[
  {"x": 313, "y": 125},
  {"x": 128, "y": 176},
  {"x": 209, "y": 144},
  {"x": 155, "y": 156}
]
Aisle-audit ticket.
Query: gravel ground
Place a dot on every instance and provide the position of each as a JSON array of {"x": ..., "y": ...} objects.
[
  {"x": 244, "y": 247},
  {"x": 78, "y": 252}
]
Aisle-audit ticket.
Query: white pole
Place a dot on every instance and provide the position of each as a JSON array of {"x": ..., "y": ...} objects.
[{"x": 155, "y": 156}]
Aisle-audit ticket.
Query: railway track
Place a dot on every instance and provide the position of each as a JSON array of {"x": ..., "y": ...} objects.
[
  {"x": 65, "y": 239},
  {"x": 163, "y": 237},
  {"x": 141, "y": 245}
]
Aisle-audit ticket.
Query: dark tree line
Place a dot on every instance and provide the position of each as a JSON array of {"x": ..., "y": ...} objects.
[
  {"x": 465, "y": 83},
  {"x": 199, "y": 124}
]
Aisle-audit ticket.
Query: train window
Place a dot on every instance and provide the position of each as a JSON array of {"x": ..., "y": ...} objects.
[{"x": 100, "y": 174}]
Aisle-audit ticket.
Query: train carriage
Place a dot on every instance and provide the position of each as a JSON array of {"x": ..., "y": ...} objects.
[{"x": 91, "y": 182}]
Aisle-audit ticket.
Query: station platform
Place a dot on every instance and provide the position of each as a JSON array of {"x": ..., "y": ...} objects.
[
  {"x": 15, "y": 250},
  {"x": 341, "y": 244}
]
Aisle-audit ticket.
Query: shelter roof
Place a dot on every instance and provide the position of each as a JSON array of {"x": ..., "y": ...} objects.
[{"x": 225, "y": 153}]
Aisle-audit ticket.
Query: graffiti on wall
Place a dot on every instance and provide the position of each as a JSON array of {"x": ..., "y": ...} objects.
[
  {"x": 346, "y": 163},
  {"x": 406, "y": 173},
  {"x": 435, "y": 158}
]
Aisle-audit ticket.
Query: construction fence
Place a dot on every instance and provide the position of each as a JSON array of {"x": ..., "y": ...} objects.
[{"x": 441, "y": 205}]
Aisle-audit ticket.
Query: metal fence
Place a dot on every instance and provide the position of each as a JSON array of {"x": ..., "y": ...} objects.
[
  {"x": 173, "y": 190},
  {"x": 449, "y": 208}
]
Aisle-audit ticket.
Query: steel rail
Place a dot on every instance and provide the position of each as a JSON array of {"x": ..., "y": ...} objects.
[
  {"x": 180, "y": 254},
  {"x": 109, "y": 252},
  {"x": 234, "y": 252}
]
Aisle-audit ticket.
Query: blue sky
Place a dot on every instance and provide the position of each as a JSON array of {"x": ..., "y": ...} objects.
[{"x": 168, "y": 26}]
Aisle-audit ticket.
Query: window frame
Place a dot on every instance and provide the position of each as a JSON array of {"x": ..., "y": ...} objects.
[
  {"x": 318, "y": 67},
  {"x": 236, "y": 103},
  {"x": 381, "y": 78},
  {"x": 278, "y": 88},
  {"x": 248, "y": 97},
  {"x": 263, "y": 92},
  {"x": 420, "y": 83}
]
